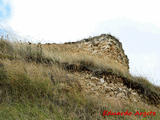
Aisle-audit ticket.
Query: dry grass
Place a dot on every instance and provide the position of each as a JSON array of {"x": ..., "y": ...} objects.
[{"x": 36, "y": 83}]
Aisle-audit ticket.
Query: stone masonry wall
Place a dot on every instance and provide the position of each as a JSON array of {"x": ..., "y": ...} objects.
[{"x": 104, "y": 44}]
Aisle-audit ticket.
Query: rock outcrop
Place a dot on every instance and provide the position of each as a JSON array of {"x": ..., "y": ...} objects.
[
  {"x": 104, "y": 45},
  {"x": 104, "y": 60}
]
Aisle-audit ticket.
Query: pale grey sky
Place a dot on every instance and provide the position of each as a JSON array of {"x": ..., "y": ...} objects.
[
  {"x": 134, "y": 22},
  {"x": 141, "y": 43}
]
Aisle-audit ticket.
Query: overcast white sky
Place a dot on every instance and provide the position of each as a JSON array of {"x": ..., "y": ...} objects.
[{"x": 135, "y": 22}]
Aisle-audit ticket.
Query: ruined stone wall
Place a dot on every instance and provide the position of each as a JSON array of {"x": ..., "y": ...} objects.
[{"x": 104, "y": 44}]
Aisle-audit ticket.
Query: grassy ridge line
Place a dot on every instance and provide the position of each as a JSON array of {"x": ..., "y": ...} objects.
[
  {"x": 36, "y": 53},
  {"x": 28, "y": 92}
]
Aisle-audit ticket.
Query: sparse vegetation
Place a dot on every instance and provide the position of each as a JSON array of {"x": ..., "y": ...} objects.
[{"x": 38, "y": 82}]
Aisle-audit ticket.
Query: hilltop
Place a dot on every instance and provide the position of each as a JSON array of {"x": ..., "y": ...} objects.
[{"x": 74, "y": 80}]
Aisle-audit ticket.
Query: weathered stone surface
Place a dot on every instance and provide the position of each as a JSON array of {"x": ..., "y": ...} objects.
[
  {"x": 100, "y": 87},
  {"x": 104, "y": 44},
  {"x": 102, "y": 80}
]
